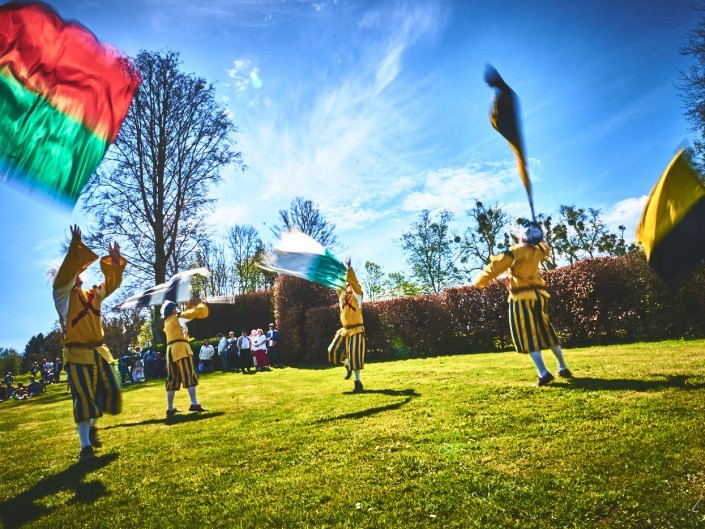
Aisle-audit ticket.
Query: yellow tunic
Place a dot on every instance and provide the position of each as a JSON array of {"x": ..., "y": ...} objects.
[
  {"x": 79, "y": 310},
  {"x": 523, "y": 262},
  {"x": 176, "y": 338},
  {"x": 351, "y": 307}
]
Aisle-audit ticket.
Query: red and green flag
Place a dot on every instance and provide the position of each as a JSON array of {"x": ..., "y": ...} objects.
[{"x": 63, "y": 97}]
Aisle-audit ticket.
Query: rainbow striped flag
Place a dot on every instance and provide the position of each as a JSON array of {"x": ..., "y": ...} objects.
[{"x": 63, "y": 97}]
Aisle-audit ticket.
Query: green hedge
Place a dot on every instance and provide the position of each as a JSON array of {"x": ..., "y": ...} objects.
[{"x": 595, "y": 301}]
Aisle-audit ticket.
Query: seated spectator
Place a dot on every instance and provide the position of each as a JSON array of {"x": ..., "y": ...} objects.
[
  {"x": 35, "y": 388},
  {"x": 9, "y": 378},
  {"x": 9, "y": 390},
  {"x": 20, "y": 393}
]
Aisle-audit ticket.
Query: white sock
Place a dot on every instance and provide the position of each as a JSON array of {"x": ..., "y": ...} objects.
[
  {"x": 92, "y": 421},
  {"x": 192, "y": 394},
  {"x": 538, "y": 360},
  {"x": 170, "y": 399},
  {"x": 84, "y": 428},
  {"x": 558, "y": 352},
  {"x": 357, "y": 375}
]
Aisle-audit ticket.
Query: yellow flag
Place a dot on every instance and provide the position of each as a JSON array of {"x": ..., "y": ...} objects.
[
  {"x": 672, "y": 225},
  {"x": 504, "y": 117}
]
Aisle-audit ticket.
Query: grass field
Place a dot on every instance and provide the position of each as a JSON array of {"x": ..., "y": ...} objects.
[{"x": 462, "y": 441}]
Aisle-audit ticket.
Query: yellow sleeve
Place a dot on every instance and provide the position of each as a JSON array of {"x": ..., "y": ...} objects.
[
  {"x": 113, "y": 276},
  {"x": 497, "y": 265},
  {"x": 545, "y": 250},
  {"x": 76, "y": 261},
  {"x": 197, "y": 312},
  {"x": 352, "y": 279}
]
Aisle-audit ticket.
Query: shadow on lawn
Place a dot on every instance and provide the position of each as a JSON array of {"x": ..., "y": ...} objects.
[
  {"x": 171, "y": 421},
  {"x": 626, "y": 384},
  {"x": 408, "y": 393},
  {"x": 22, "y": 508}
]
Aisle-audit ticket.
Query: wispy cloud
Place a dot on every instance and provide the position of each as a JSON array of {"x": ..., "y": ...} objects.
[{"x": 343, "y": 137}]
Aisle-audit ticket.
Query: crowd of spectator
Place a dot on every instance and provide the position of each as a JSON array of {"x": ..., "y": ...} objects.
[{"x": 248, "y": 353}]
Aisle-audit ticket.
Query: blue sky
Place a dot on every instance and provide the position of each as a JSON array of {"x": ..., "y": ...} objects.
[{"x": 376, "y": 110}]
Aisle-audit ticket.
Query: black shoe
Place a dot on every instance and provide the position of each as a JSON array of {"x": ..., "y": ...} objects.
[
  {"x": 348, "y": 373},
  {"x": 358, "y": 387},
  {"x": 86, "y": 453},
  {"x": 545, "y": 380},
  {"x": 93, "y": 437},
  {"x": 171, "y": 413},
  {"x": 565, "y": 373},
  {"x": 197, "y": 407}
]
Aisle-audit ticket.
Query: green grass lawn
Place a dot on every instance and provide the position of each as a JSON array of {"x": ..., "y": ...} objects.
[{"x": 462, "y": 441}]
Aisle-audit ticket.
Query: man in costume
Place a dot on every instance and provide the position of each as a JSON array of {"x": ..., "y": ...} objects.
[
  {"x": 94, "y": 388},
  {"x": 528, "y": 300},
  {"x": 349, "y": 345},
  {"x": 179, "y": 358}
]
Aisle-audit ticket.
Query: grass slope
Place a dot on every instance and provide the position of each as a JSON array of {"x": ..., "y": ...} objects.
[{"x": 448, "y": 442}]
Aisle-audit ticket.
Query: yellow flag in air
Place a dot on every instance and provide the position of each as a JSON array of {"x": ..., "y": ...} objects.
[
  {"x": 504, "y": 117},
  {"x": 672, "y": 225}
]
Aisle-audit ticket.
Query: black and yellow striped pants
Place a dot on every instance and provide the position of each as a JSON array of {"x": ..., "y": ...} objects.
[
  {"x": 529, "y": 325},
  {"x": 181, "y": 373},
  {"x": 94, "y": 389},
  {"x": 350, "y": 347}
]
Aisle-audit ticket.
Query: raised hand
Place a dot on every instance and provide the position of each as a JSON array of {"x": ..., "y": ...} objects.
[
  {"x": 114, "y": 252},
  {"x": 75, "y": 233}
]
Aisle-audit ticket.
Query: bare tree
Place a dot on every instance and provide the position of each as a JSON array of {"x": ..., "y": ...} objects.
[
  {"x": 213, "y": 257},
  {"x": 245, "y": 245},
  {"x": 578, "y": 233},
  {"x": 691, "y": 83},
  {"x": 433, "y": 251},
  {"x": 151, "y": 194},
  {"x": 305, "y": 215}
]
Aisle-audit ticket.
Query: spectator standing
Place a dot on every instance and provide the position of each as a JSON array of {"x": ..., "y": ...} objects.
[
  {"x": 58, "y": 366},
  {"x": 223, "y": 352},
  {"x": 149, "y": 357},
  {"x": 273, "y": 346},
  {"x": 206, "y": 356},
  {"x": 244, "y": 347},
  {"x": 259, "y": 349}
]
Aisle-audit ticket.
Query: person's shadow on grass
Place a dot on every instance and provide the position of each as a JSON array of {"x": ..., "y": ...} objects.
[
  {"x": 24, "y": 508},
  {"x": 408, "y": 393},
  {"x": 626, "y": 384},
  {"x": 171, "y": 421}
]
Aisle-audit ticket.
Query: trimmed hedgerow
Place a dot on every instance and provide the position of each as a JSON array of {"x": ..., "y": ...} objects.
[{"x": 594, "y": 301}]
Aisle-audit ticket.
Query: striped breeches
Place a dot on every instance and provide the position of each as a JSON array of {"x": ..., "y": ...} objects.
[
  {"x": 94, "y": 389},
  {"x": 181, "y": 373},
  {"x": 528, "y": 323},
  {"x": 348, "y": 347}
]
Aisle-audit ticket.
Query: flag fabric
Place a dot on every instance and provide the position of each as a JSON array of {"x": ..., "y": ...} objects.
[
  {"x": 297, "y": 254},
  {"x": 504, "y": 117},
  {"x": 672, "y": 225},
  {"x": 177, "y": 289},
  {"x": 63, "y": 97}
]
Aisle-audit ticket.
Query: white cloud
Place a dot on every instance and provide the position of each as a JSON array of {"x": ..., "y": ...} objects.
[
  {"x": 626, "y": 213},
  {"x": 455, "y": 188}
]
